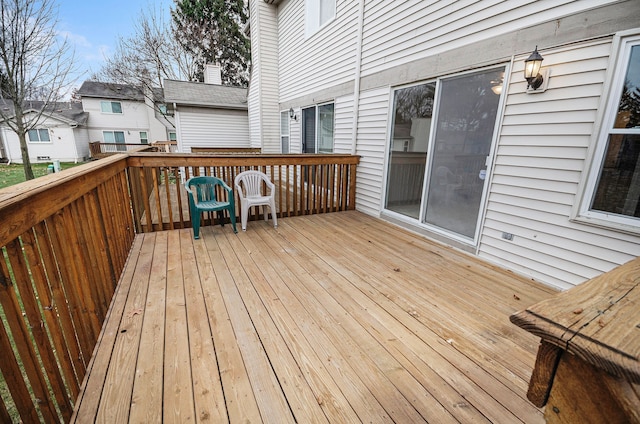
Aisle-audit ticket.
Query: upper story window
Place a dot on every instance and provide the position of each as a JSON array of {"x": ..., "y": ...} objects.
[
  {"x": 317, "y": 14},
  {"x": 39, "y": 136},
  {"x": 144, "y": 138},
  {"x": 612, "y": 197},
  {"x": 110, "y": 107}
]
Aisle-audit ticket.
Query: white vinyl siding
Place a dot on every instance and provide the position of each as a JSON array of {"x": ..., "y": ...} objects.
[
  {"x": 538, "y": 166},
  {"x": 325, "y": 60},
  {"x": 255, "y": 121},
  {"x": 543, "y": 139},
  {"x": 397, "y": 32},
  {"x": 135, "y": 117},
  {"x": 317, "y": 14},
  {"x": 263, "y": 90},
  {"x": 295, "y": 133},
  {"x": 212, "y": 128},
  {"x": 65, "y": 144},
  {"x": 343, "y": 125},
  {"x": 372, "y": 139}
]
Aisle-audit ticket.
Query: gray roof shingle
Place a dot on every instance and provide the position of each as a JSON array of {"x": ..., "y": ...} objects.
[
  {"x": 207, "y": 95},
  {"x": 71, "y": 112},
  {"x": 109, "y": 90}
]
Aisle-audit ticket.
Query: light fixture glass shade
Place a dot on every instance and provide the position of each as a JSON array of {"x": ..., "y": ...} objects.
[
  {"x": 532, "y": 69},
  {"x": 532, "y": 64}
]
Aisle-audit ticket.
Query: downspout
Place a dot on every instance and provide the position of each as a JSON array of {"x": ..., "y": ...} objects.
[
  {"x": 356, "y": 86},
  {"x": 75, "y": 143},
  {"x": 176, "y": 118},
  {"x": 3, "y": 137}
]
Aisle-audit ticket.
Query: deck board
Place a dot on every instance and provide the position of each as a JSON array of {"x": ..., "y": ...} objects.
[{"x": 328, "y": 318}]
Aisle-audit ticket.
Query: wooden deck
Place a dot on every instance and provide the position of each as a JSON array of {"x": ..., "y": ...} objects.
[{"x": 328, "y": 318}]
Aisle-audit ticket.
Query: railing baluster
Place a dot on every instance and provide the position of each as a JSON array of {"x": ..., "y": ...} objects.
[{"x": 21, "y": 334}]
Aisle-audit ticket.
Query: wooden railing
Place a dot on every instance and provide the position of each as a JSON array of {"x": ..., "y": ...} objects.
[
  {"x": 99, "y": 150},
  {"x": 65, "y": 239},
  {"x": 305, "y": 184},
  {"x": 168, "y": 146}
]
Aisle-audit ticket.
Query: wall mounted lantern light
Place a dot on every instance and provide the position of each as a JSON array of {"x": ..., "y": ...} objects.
[
  {"x": 532, "y": 70},
  {"x": 292, "y": 114}
]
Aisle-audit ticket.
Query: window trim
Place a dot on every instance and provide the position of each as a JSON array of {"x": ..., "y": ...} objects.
[
  {"x": 317, "y": 121},
  {"x": 581, "y": 211},
  {"x": 110, "y": 102},
  {"x": 114, "y": 136},
  {"x": 310, "y": 31},
  {"x": 145, "y": 138},
  {"x": 39, "y": 141},
  {"x": 284, "y": 114}
]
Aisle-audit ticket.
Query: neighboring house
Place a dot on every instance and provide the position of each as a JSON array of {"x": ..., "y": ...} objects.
[
  {"x": 61, "y": 134},
  {"x": 208, "y": 114},
  {"x": 124, "y": 114},
  {"x": 453, "y": 144}
]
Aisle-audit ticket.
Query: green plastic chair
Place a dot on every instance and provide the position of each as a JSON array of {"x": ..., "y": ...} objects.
[{"x": 202, "y": 198}]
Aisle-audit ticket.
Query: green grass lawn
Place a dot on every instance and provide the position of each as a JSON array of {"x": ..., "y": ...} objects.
[{"x": 14, "y": 173}]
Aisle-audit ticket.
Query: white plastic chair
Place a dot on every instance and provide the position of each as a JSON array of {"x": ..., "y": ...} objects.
[{"x": 249, "y": 185}]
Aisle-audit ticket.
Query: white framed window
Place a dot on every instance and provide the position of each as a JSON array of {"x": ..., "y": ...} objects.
[
  {"x": 284, "y": 132},
  {"x": 40, "y": 135},
  {"x": 317, "y": 129},
  {"x": 612, "y": 193},
  {"x": 110, "y": 107},
  {"x": 144, "y": 139},
  {"x": 317, "y": 14},
  {"x": 113, "y": 136},
  {"x": 172, "y": 136}
]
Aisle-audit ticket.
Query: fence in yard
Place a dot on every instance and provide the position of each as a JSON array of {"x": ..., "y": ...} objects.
[{"x": 65, "y": 239}]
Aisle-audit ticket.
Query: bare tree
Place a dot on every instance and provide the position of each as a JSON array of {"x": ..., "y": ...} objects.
[
  {"x": 36, "y": 64},
  {"x": 148, "y": 57}
]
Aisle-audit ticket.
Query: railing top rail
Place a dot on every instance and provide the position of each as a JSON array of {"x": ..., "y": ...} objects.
[
  {"x": 258, "y": 159},
  {"x": 24, "y": 205}
]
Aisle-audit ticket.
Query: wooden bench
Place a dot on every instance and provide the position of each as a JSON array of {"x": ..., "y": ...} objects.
[{"x": 587, "y": 368}]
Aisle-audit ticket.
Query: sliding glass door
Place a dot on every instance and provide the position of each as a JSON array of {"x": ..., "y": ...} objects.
[{"x": 440, "y": 143}]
